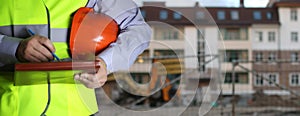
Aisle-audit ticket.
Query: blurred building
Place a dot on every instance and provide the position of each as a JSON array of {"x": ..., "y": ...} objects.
[{"x": 266, "y": 39}]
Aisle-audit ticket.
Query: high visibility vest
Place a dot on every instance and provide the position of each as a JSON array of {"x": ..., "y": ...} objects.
[{"x": 50, "y": 18}]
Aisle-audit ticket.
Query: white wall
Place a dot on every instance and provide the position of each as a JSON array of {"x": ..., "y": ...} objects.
[
  {"x": 211, "y": 45},
  {"x": 287, "y": 26},
  {"x": 190, "y": 49},
  {"x": 265, "y": 44}
]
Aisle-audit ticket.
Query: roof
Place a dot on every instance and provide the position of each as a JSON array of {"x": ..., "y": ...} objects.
[
  {"x": 190, "y": 15},
  {"x": 286, "y": 3}
]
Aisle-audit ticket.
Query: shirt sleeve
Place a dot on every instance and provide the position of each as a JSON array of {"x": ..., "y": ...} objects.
[
  {"x": 134, "y": 36},
  {"x": 8, "y": 47}
]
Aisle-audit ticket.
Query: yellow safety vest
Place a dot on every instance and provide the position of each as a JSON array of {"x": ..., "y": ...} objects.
[{"x": 50, "y": 18}]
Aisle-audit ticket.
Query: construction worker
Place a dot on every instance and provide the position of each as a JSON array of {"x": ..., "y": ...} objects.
[{"x": 51, "y": 19}]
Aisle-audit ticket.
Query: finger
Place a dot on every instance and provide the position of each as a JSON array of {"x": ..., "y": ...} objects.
[
  {"x": 31, "y": 55},
  {"x": 37, "y": 49},
  {"x": 91, "y": 77},
  {"x": 34, "y": 52},
  {"x": 100, "y": 80},
  {"x": 82, "y": 76},
  {"x": 96, "y": 78},
  {"x": 46, "y": 42},
  {"x": 44, "y": 51},
  {"x": 90, "y": 80},
  {"x": 77, "y": 76},
  {"x": 87, "y": 83},
  {"x": 93, "y": 80},
  {"x": 32, "y": 58}
]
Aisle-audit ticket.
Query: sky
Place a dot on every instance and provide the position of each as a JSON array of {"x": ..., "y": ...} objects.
[{"x": 226, "y": 3}]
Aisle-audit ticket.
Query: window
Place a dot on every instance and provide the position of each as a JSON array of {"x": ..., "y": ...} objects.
[
  {"x": 271, "y": 36},
  {"x": 294, "y": 79},
  {"x": 257, "y": 15},
  {"x": 221, "y": 15},
  {"x": 168, "y": 33},
  {"x": 269, "y": 15},
  {"x": 168, "y": 52},
  {"x": 234, "y": 15},
  {"x": 143, "y": 13},
  {"x": 234, "y": 33},
  {"x": 259, "y": 57},
  {"x": 200, "y": 15},
  {"x": 240, "y": 77},
  {"x": 272, "y": 57},
  {"x": 259, "y": 36},
  {"x": 273, "y": 79},
  {"x": 294, "y": 57},
  {"x": 294, "y": 16},
  {"x": 232, "y": 55},
  {"x": 177, "y": 15},
  {"x": 258, "y": 80},
  {"x": 294, "y": 36},
  {"x": 163, "y": 14}
]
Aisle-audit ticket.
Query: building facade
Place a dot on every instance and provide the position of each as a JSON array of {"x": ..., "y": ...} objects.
[
  {"x": 264, "y": 40},
  {"x": 280, "y": 57}
]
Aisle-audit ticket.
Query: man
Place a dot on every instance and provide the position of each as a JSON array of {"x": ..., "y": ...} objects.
[{"x": 51, "y": 19}]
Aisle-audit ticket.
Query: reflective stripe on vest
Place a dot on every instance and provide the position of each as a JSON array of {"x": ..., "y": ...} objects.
[
  {"x": 57, "y": 34},
  {"x": 66, "y": 99}
]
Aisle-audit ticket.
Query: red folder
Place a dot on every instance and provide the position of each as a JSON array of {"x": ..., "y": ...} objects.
[
  {"x": 55, "y": 72},
  {"x": 56, "y": 66}
]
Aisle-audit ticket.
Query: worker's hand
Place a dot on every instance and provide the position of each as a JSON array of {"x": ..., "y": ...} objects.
[
  {"x": 96, "y": 80},
  {"x": 35, "y": 49}
]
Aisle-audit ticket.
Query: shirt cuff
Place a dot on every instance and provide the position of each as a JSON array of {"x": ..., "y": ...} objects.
[
  {"x": 106, "y": 56},
  {"x": 8, "y": 48}
]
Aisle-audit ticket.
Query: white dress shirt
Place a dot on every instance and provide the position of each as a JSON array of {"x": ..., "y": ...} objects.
[{"x": 133, "y": 39}]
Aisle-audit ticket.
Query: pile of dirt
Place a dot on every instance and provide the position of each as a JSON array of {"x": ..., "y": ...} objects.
[{"x": 261, "y": 99}]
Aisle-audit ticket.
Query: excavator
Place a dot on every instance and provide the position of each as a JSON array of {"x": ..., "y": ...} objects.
[{"x": 168, "y": 68}]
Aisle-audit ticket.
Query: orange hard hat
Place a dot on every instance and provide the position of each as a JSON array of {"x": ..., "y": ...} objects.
[{"x": 91, "y": 32}]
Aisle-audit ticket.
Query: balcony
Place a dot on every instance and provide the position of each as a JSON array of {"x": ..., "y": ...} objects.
[{"x": 167, "y": 44}]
